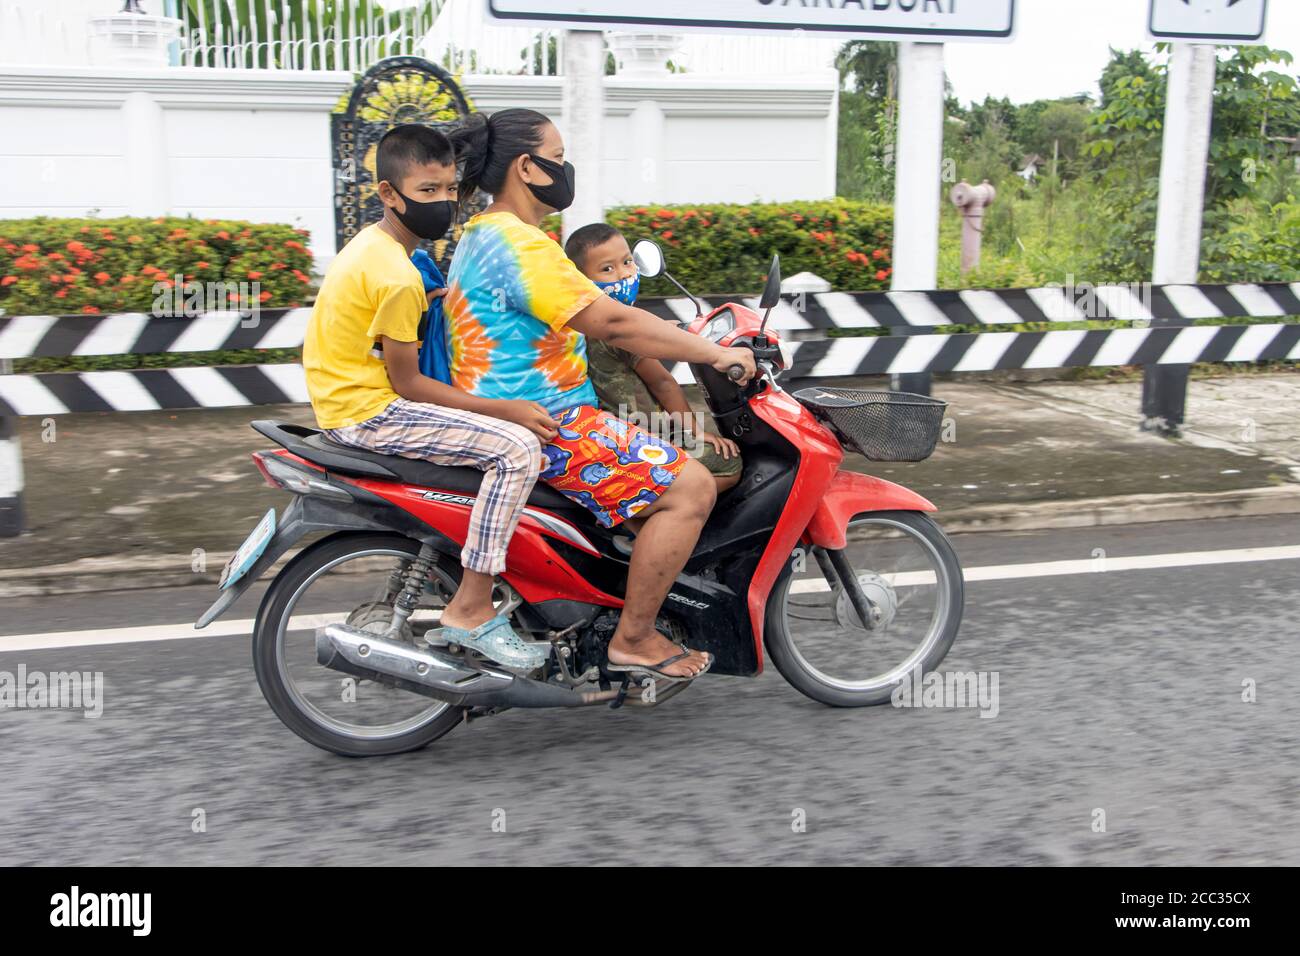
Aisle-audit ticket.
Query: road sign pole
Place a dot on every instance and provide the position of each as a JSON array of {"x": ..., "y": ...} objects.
[
  {"x": 584, "y": 114},
  {"x": 916, "y": 180},
  {"x": 1184, "y": 152}
]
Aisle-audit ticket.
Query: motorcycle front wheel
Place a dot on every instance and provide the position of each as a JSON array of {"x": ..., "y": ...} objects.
[{"x": 908, "y": 569}]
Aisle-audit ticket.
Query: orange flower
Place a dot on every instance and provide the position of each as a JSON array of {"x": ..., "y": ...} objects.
[
  {"x": 30, "y": 248},
  {"x": 223, "y": 234},
  {"x": 90, "y": 310},
  {"x": 295, "y": 244},
  {"x": 254, "y": 274},
  {"x": 204, "y": 265},
  {"x": 882, "y": 275},
  {"x": 134, "y": 239},
  {"x": 61, "y": 294},
  {"x": 878, "y": 253},
  {"x": 56, "y": 255},
  {"x": 8, "y": 280},
  {"x": 668, "y": 233},
  {"x": 264, "y": 296}
]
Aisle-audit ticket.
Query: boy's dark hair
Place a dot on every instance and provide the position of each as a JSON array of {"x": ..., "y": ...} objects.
[
  {"x": 487, "y": 145},
  {"x": 586, "y": 238},
  {"x": 410, "y": 144}
]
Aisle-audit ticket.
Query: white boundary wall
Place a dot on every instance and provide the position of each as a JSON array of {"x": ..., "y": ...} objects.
[{"x": 255, "y": 145}]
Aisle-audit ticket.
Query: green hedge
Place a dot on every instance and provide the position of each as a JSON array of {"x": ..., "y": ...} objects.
[
  {"x": 715, "y": 248},
  {"x": 66, "y": 266}
]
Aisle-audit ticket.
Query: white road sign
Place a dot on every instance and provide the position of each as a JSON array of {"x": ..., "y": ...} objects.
[
  {"x": 935, "y": 20},
  {"x": 1222, "y": 21}
]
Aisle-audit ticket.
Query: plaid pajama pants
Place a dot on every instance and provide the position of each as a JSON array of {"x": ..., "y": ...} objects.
[{"x": 509, "y": 456}]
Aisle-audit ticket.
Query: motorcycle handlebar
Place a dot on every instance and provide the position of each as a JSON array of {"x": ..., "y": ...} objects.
[{"x": 736, "y": 373}]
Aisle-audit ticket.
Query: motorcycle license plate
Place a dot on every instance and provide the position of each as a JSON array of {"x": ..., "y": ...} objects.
[{"x": 249, "y": 551}]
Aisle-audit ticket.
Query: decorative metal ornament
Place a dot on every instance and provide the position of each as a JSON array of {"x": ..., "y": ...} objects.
[{"x": 397, "y": 90}]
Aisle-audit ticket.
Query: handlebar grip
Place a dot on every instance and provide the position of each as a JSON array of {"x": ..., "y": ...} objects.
[{"x": 736, "y": 373}]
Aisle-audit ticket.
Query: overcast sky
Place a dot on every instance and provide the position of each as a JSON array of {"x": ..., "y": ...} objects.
[{"x": 1061, "y": 47}]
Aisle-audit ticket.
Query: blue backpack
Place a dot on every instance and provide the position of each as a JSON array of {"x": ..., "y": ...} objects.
[{"x": 435, "y": 361}]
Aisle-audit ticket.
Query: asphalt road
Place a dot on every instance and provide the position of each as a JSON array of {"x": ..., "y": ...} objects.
[{"x": 1119, "y": 691}]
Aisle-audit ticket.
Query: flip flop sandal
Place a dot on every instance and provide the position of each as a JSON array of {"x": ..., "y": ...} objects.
[
  {"x": 656, "y": 670},
  {"x": 497, "y": 641}
]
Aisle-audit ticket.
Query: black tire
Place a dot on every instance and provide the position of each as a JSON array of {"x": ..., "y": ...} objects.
[
  {"x": 269, "y": 678},
  {"x": 780, "y": 646}
]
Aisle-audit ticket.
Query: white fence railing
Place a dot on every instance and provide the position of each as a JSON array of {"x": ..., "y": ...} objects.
[{"x": 463, "y": 39}]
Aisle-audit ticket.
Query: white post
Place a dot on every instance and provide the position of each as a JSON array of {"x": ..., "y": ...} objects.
[
  {"x": 144, "y": 131},
  {"x": 1189, "y": 106},
  {"x": 11, "y": 472},
  {"x": 584, "y": 113},
  {"x": 1183, "y": 156},
  {"x": 919, "y": 157}
]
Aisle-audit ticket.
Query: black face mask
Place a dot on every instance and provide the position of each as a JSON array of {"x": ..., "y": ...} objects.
[
  {"x": 558, "y": 193},
  {"x": 428, "y": 220}
]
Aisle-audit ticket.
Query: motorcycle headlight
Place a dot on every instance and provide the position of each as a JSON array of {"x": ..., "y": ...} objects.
[{"x": 719, "y": 326}]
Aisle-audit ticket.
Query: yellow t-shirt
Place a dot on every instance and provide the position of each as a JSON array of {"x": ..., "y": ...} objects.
[{"x": 370, "y": 289}]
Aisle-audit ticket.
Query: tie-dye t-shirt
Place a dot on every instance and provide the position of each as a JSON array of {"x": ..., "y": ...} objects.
[{"x": 511, "y": 293}]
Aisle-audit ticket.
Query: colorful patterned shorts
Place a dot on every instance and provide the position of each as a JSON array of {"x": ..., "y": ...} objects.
[{"x": 612, "y": 468}]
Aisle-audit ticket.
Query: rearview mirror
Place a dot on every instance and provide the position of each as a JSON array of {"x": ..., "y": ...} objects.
[
  {"x": 772, "y": 290},
  {"x": 649, "y": 258}
]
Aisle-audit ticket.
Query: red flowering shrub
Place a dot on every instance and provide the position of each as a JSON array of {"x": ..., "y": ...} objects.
[
  {"x": 716, "y": 248},
  {"x": 67, "y": 266}
]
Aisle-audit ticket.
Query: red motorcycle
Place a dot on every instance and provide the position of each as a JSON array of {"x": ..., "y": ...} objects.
[{"x": 842, "y": 577}]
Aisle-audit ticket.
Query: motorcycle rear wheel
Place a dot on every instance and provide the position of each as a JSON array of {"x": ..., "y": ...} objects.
[
  {"x": 908, "y": 568},
  {"x": 285, "y": 677}
]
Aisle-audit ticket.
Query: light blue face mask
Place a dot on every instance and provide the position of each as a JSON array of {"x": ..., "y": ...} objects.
[{"x": 624, "y": 289}]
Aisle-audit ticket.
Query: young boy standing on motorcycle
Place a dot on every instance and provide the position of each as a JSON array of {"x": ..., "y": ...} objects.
[
  {"x": 361, "y": 358},
  {"x": 627, "y": 383}
]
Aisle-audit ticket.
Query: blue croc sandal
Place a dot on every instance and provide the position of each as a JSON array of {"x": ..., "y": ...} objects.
[{"x": 497, "y": 641}]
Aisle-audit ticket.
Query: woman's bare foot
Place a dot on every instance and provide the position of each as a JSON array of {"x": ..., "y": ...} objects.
[{"x": 653, "y": 649}]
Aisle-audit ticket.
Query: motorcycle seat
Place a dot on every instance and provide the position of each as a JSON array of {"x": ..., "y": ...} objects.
[{"x": 312, "y": 445}]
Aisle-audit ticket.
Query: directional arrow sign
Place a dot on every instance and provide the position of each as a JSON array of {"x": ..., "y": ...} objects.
[
  {"x": 1216, "y": 21},
  {"x": 935, "y": 20}
]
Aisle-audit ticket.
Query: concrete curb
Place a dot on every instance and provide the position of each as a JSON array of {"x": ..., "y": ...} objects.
[{"x": 130, "y": 572}]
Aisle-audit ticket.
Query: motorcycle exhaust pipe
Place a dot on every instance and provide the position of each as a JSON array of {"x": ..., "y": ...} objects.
[{"x": 441, "y": 676}]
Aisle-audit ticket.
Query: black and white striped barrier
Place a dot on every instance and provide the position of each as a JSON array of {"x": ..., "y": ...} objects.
[
  {"x": 1139, "y": 302},
  {"x": 55, "y": 393},
  {"x": 232, "y": 386},
  {"x": 32, "y": 336}
]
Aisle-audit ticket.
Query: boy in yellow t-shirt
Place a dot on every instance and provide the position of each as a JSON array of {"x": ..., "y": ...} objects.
[{"x": 361, "y": 357}]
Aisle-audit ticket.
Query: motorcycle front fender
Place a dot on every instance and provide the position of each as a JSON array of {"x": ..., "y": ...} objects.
[{"x": 851, "y": 493}]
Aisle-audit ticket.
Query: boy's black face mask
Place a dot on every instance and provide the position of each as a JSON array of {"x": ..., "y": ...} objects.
[
  {"x": 558, "y": 193},
  {"x": 428, "y": 220}
]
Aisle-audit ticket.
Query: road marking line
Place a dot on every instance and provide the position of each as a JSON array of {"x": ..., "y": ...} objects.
[
  {"x": 992, "y": 572},
  {"x": 1098, "y": 565}
]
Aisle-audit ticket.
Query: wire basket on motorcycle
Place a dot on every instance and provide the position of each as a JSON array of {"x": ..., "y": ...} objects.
[{"x": 880, "y": 425}]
